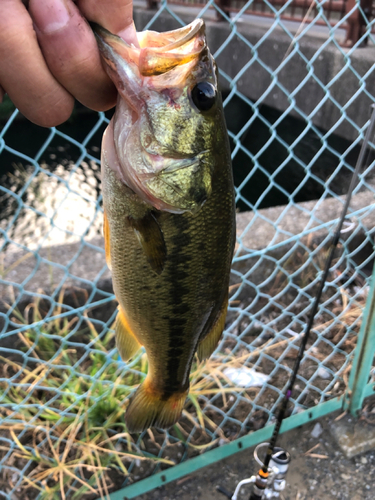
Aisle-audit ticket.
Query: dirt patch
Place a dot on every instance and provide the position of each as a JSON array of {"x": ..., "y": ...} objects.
[
  {"x": 66, "y": 394},
  {"x": 333, "y": 477}
]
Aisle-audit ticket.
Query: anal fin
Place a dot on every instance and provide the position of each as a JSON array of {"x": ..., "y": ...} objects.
[
  {"x": 126, "y": 342},
  {"x": 151, "y": 239},
  {"x": 208, "y": 344},
  {"x": 107, "y": 247}
]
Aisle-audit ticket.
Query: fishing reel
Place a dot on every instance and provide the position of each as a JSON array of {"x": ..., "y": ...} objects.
[
  {"x": 265, "y": 485},
  {"x": 270, "y": 480}
]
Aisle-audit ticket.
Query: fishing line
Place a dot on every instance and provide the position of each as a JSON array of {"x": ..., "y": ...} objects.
[
  {"x": 300, "y": 28},
  {"x": 270, "y": 479},
  {"x": 263, "y": 472}
]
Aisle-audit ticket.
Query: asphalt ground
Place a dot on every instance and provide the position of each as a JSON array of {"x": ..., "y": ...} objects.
[{"x": 318, "y": 470}]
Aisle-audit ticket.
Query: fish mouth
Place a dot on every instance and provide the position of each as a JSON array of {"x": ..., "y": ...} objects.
[
  {"x": 163, "y": 62},
  {"x": 158, "y": 52}
]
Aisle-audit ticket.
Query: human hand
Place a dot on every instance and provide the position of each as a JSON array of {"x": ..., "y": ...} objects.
[{"x": 49, "y": 55}]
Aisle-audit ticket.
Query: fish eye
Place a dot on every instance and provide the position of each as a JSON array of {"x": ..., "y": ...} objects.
[{"x": 203, "y": 95}]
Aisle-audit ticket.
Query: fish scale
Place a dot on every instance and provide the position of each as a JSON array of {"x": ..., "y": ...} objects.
[
  {"x": 170, "y": 265},
  {"x": 190, "y": 275}
]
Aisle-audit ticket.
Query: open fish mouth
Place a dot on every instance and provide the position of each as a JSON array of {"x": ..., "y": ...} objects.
[
  {"x": 161, "y": 139},
  {"x": 158, "y": 52}
]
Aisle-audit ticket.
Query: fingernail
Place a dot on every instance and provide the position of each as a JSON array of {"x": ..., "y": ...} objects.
[
  {"x": 50, "y": 15},
  {"x": 129, "y": 35}
]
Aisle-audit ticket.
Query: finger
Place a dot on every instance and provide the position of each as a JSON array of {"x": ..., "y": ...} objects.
[
  {"x": 114, "y": 15},
  {"x": 2, "y": 94},
  {"x": 24, "y": 74},
  {"x": 71, "y": 52}
]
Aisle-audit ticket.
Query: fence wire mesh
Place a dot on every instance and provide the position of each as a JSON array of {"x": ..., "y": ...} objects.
[{"x": 296, "y": 106}]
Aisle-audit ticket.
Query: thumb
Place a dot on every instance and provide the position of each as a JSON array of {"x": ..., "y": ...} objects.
[{"x": 114, "y": 15}]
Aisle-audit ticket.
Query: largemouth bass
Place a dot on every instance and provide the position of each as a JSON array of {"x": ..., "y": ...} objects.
[{"x": 169, "y": 212}]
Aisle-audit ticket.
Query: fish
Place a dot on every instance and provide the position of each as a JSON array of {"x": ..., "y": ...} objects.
[{"x": 169, "y": 211}]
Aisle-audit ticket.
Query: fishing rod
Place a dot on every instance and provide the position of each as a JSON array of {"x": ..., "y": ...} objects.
[{"x": 271, "y": 477}]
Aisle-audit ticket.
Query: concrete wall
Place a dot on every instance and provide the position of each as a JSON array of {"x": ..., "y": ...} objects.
[{"x": 258, "y": 84}]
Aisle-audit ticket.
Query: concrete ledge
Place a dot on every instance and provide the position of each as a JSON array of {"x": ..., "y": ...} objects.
[
  {"x": 76, "y": 264},
  {"x": 353, "y": 436},
  {"x": 273, "y": 225},
  {"x": 312, "y": 63}
]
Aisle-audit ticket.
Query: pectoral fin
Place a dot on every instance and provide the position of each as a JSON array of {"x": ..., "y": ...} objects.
[
  {"x": 126, "y": 342},
  {"x": 106, "y": 241},
  {"x": 208, "y": 344},
  {"x": 151, "y": 239}
]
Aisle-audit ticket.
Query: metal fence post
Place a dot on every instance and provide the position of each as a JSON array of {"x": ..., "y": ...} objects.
[{"x": 363, "y": 355}]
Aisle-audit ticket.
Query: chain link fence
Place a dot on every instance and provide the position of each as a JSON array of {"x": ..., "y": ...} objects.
[{"x": 297, "y": 108}]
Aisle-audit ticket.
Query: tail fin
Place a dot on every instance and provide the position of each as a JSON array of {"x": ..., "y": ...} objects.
[{"x": 150, "y": 408}]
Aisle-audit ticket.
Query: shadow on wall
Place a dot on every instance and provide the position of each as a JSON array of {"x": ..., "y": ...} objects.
[{"x": 286, "y": 160}]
